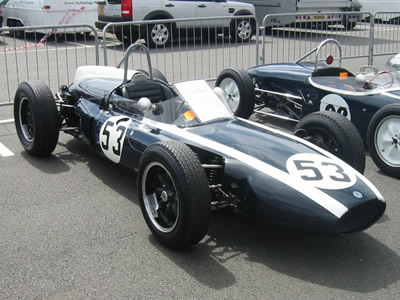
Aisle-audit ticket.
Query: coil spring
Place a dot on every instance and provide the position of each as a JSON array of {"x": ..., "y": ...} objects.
[{"x": 212, "y": 173}]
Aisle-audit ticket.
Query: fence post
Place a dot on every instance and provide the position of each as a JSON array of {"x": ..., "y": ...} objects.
[
  {"x": 262, "y": 57},
  {"x": 257, "y": 40},
  {"x": 371, "y": 39},
  {"x": 104, "y": 41}
]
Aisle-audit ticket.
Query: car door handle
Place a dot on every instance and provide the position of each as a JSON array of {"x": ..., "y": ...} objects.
[
  {"x": 202, "y": 5},
  {"x": 169, "y": 5}
]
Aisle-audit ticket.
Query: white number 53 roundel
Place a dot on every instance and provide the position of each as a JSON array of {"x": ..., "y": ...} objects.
[
  {"x": 320, "y": 171},
  {"x": 112, "y": 136}
]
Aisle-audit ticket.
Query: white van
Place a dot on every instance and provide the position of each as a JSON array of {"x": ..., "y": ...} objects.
[
  {"x": 373, "y": 6},
  {"x": 49, "y": 12},
  {"x": 335, "y": 7}
]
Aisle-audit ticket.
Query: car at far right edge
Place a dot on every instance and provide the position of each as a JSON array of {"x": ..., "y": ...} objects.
[{"x": 370, "y": 99}]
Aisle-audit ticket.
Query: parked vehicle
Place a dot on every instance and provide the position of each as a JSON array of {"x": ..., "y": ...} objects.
[
  {"x": 47, "y": 12},
  {"x": 374, "y": 6},
  {"x": 160, "y": 34},
  {"x": 331, "y": 11},
  {"x": 191, "y": 153},
  {"x": 370, "y": 99}
]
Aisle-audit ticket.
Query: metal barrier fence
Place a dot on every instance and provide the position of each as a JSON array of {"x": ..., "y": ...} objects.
[
  {"x": 188, "y": 48},
  {"x": 385, "y": 27},
  {"x": 48, "y": 53},
  {"x": 286, "y": 37}
]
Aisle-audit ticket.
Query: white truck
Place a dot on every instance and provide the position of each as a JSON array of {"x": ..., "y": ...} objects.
[
  {"x": 335, "y": 8},
  {"x": 373, "y": 6},
  {"x": 49, "y": 12}
]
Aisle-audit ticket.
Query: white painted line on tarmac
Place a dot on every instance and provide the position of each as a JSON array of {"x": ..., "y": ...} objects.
[
  {"x": 7, "y": 121},
  {"x": 78, "y": 44},
  {"x": 4, "y": 151},
  {"x": 44, "y": 49}
]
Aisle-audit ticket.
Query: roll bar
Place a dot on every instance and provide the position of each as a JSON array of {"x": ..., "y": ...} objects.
[
  {"x": 318, "y": 50},
  {"x": 125, "y": 59}
]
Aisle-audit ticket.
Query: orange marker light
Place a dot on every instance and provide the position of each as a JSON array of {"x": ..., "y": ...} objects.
[
  {"x": 343, "y": 75},
  {"x": 46, "y": 7},
  {"x": 189, "y": 116}
]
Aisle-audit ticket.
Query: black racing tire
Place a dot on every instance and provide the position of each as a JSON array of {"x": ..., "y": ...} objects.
[
  {"x": 336, "y": 134},
  {"x": 158, "y": 35},
  {"x": 157, "y": 74},
  {"x": 37, "y": 120},
  {"x": 172, "y": 172},
  {"x": 242, "y": 30},
  {"x": 239, "y": 91},
  {"x": 379, "y": 126}
]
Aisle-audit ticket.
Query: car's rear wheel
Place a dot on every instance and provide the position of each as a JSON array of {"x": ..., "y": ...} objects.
[
  {"x": 336, "y": 134},
  {"x": 19, "y": 34},
  {"x": 36, "y": 118},
  {"x": 239, "y": 91},
  {"x": 158, "y": 34},
  {"x": 174, "y": 195},
  {"x": 242, "y": 30},
  {"x": 383, "y": 139}
]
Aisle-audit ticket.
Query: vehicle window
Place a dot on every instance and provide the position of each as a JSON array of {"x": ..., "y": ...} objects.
[{"x": 173, "y": 111}]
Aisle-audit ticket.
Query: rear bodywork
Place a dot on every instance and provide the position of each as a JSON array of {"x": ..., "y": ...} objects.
[{"x": 295, "y": 90}]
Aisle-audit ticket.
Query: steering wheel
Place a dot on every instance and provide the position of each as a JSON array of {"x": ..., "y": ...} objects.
[{"x": 367, "y": 85}]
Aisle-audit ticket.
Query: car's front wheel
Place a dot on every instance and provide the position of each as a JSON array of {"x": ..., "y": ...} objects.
[
  {"x": 336, "y": 134},
  {"x": 383, "y": 139},
  {"x": 174, "y": 194},
  {"x": 239, "y": 91},
  {"x": 36, "y": 118}
]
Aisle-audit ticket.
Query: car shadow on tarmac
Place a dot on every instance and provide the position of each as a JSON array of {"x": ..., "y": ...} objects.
[{"x": 358, "y": 263}]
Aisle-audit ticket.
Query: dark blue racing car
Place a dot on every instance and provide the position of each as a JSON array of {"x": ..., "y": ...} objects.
[
  {"x": 192, "y": 154},
  {"x": 369, "y": 99}
]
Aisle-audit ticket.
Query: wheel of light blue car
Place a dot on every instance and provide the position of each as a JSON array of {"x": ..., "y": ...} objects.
[
  {"x": 384, "y": 139},
  {"x": 336, "y": 134},
  {"x": 239, "y": 91}
]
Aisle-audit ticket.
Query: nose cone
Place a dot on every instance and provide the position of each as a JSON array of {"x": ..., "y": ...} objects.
[{"x": 360, "y": 217}]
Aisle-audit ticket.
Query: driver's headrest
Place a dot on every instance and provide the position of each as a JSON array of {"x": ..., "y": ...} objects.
[{"x": 139, "y": 77}]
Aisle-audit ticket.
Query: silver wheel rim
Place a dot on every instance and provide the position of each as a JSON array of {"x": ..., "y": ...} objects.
[
  {"x": 153, "y": 203},
  {"x": 159, "y": 34},
  {"x": 232, "y": 93},
  {"x": 244, "y": 29},
  {"x": 387, "y": 140},
  {"x": 26, "y": 128}
]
